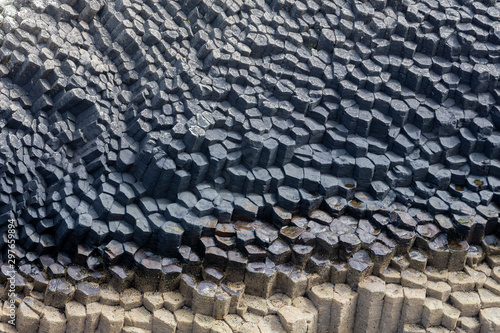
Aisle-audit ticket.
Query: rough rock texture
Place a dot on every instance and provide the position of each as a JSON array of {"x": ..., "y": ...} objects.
[
  {"x": 152, "y": 121},
  {"x": 213, "y": 154}
]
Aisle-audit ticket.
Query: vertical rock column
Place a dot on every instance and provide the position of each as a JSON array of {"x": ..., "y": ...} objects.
[
  {"x": 322, "y": 297},
  {"x": 393, "y": 301},
  {"x": 413, "y": 306},
  {"x": 343, "y": 309},
  {"x": 370, "y": 304}
]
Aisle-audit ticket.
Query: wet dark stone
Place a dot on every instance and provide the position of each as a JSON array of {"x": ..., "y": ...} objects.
[
  {"x": 349, "y": 244},
  {"x": 402, "y": 237},
  {"x": 170, "y": 277},
  {"x": 121, "y": 278},
  {"x": 381, "y": 256},
  {"x": 329, "y": 243},
  {"x": 64, "y": 259},
  {"x": 301, "y": 254},
  {"x": 307, "y": 238},
  {"x": 244, "y": 237},
  {"x": 216, "y": 257},
  {"x": 82, "y": 254},
  {"x": 265, "y": 235},
  {"x": 291, "y": 233},
  {"x": 281, "y": 217},
  {"x": 46, "y": 260},
  {"x": 87, "y": 292},
  {"x": 255, "y": 253},
  {"x": 359, "y": 267},
  {"x": 418, "y": 260},
  {"x": 237, "y": 262},
  {"x": 320, "y": 217},
  {"x": 279, "y": 252},
  {"x": 320, "y": 265},
  {"x": 113, "y": 252},
  {"x": 335, "y": 206},
  {"x": 56, "y": 270},
  {"x": 76, "y": 274},
  {"x": 214, "y": 275},
  {"x": 438, "y": 253},
  {"x": 59, "y": 292},
  {"x": 40, "y": 282},
  {"x": 225, "y": 243},
  {"x": 225, "y": 230}
]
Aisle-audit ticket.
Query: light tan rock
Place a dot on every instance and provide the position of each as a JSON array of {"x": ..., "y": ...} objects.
[
  {"x": 5, "y": 311},
  {"x": 34, "y": 305},
  {"x": 234, "y": 321},
  {"x": 343, "y": 309},
  {"x": 484, "y": 268},
  {"x": 309, "y": 312},
  {"x": 109, "y": 296},
  {"x": 495, "y": 274},
  {"x": 93, "y": 315},
  {"x": 236, "y": 291},
  {"x": 242, "y": 308},
  {"x": 7, "y": 328},
  {"x": 371, "y": 292},
  {"x": 391, "y": 312},
  {"x": 247, "y": 328},
  {"x": 220, "y": 327},
  {"x": 434, "y": 274},
  {"x": 488, "y": 299},
  {"x": 202, "y": 323},
  {"x": 322, "y": 298},
  {"x": 27, "y": 321},
  {"x": 479, "y": 277},
  {"x": 277, "y": 301},
  {"x": 412, "y": 278},
  {"x": 296, "y": 284},
  {"x": 271, "y": 324},
  {"x": 413, "y": 328},
  {"x": 203, "y": 298},
  {"x": 490, "y": 320},
  {"x": 256, "y": 305},
  {"x": 163, "y": 321},
  {"x": 52, "y": 321},
  {"x": 390, "y": 275},
  {"x": 75, "y": 317},
  {"x": 132, "y": 329},
  {"x": 493, "y": 261},
  {"x": 461, "y": 281},
  {"x": 432, "y": 312},
  {"x": 152, "y": 301},
  {"x": 492, "y": 286},
  {"x": 468, "y": 303},
  {"x": 139, "y": 317},
  {"x": 450, "y": 316},
  {"x": 252, "y": 318},
  {"x": 292, "y": 319},
  {"x": 314, "y": 279},
  {"x": 184, "y": 319},
  {"x": 112, "y": 319},
  {"x": 439, "y": 290},
  {"x": 439, "y": 329},
  {"x": 130, "y": 298},
  {"x": 222, "y": 302},
  {"x": 173, "y": 300},
  {"x": 338, "y": 272},
  {"x": 413, "y": 305},
  {"x": 469, "y": 324}
]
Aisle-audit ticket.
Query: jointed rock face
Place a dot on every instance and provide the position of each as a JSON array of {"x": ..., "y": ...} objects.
[{"x": 145, "y": 142}]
